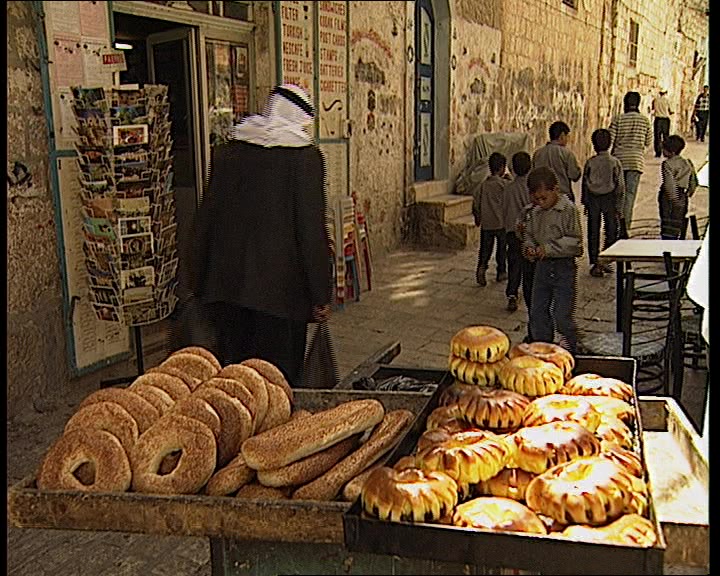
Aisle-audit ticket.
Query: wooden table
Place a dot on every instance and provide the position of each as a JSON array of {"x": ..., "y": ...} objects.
[{"x": 644, "y": 250}]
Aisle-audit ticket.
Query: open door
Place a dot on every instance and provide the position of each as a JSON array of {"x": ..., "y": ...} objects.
[{"x": 171, "y": 61}]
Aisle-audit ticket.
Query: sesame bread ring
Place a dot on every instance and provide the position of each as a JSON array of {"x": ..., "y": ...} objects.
[
  {"x": 531, "y": 376},
  {"x": 79, "y": 447},
  {"x": 170, "y": 434},
  {"x": 142, "y": 411},
  {"x": 174, "y": 387},
  {"x": 480, "y": 373},
  {"x": 613, "y": 432},
  {"x": 160, "y": 399},
  {"x": 300, "y": 414},
  {"x": 628, "y": 530},
  {"x": 190, "y": 381},
  {"x": 201, "y": 410},
  {"x": 467, "y": 457},
  {"x": 106, "y": 416},
  {"x": 561, "y": 407},
  {"x": 626, "y": 458},
  {"x": 199, "y": 351},
  {"x": 256, "y": 491},
  {"x": 487, "y": 408},
  {"x": 508, "y": 483},
  {"x": 272, "y": 374},
  {"x": 236, "y": 390},
  {"x": 231, "y": 478},
  {"x": 548, "y": 352},
  {"x": 192, "y": 364},
  {"x": 279, "y": 409},
  {"x": 235, "y": 422},
  {"x": 609, "y": 406},
  {"x": 253, "y": 381},
  {"x": 590, "y": 490},
  {"x": 409, "y": 495},
  {"x": 595, "y": 385},
  {"x": 497, "y": 513},
  {"x": 480, "y": 344},
  {"x": 541, "y": 447}
]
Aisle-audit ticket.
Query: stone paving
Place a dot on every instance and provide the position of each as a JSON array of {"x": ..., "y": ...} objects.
[{"x": 418, "y": 298}]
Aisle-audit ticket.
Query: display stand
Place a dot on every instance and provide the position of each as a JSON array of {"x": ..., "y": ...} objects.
[{"x": 137, "y": 336}]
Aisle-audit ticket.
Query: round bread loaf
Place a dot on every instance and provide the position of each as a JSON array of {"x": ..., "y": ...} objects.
[
  {"x": 161, "y": 400},
  {"x": 191, "y": 382},
  {"x": 595, "y": 385},
  {"x": 142, "y": 411},
  {"x": 480, "y": 344},
  {"x": 200, "y": 351},
  {"x": 279, "y": 409},
  {"x": 559, "y": 408},
  {"x": 478, "y": 373},
  {"x": 192, "y": 364},
  {"x": 272, "y": 374},
  {"x": 548, "y": 352},
  {"x": 628, "y": 530},
  {"x": 589, "y": 490},
  {"x": 173, "y": 433},
  {"x": 410, "y": 495},
  {"x": 495, "y": 513},
  {"x": 106, "y": 416},
  {"x": 487, "y": 408},
  {"x": 79, "y": 447},
  {"x": 174, "y": 387},
  {"x": 508, "y": 483},
  {"x": 541, "y": 447},
  {"x": 235, "y": 422},
  {"x": 531, "y": 376},
  {"x": 231, "y": 478},
  {"x": 201, "y": 410},
  {"x": 255, "y": 383}
]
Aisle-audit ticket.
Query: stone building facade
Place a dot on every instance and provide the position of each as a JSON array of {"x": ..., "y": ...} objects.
[{"x": 500, "y": 66}]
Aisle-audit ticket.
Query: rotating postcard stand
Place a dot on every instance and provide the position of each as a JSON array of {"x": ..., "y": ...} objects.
[{"x": 128, "y": 207}]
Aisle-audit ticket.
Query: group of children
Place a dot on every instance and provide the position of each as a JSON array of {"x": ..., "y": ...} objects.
[{"x": 533, "y": 223}]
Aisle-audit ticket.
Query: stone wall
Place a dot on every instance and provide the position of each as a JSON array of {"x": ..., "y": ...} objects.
[{"x": 36, "y": 359}]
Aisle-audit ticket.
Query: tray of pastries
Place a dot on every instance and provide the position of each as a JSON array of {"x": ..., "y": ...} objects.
[{"x": 530, "y": 459}]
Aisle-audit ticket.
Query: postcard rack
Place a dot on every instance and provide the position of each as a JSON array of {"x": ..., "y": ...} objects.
[{"x": 123, "y": 149}]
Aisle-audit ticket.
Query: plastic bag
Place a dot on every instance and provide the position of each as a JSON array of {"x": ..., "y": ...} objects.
[{"x": 320, "y": 369}]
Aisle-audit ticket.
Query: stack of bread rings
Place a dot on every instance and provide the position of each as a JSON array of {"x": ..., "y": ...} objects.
[
  {"x": 528, "y": 446},
  {"x": 191, "y": 426}
]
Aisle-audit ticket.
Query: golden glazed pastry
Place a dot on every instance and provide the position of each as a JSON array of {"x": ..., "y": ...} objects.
[
  {"x": 561, "y": 407},
  {"x": 551, "y": 524},
  {"x": 595, "y": 385},
  {"x": 479, "y": 373},
  {"x": 538, "y": 448},
  {"x": 548, "y": 352},
  {"x": 508, "y": 483},
  {"x": 628, "y": 530},
  {"x": 609, "y": 406},
  {"x": 494, "y": 513},
  {"x": 446, "y": 417},
  {"x": 613, "y": 432},
  {"x": 409, "y": 495},
  {"x": 487, "y": 408},
  {"x": 626, "y": 458},
  {"x": 590, "y": 490},
  {"x": 480, "y": 344},
  {"x": 531, "y": 376},
  {"x": 467, "y": 457}
]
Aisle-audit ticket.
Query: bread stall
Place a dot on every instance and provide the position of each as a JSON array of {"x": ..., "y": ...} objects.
[{"x": 245, "y": 504}]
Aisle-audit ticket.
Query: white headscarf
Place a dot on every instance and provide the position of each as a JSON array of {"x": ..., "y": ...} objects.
[{"x": 282, "y": 123}]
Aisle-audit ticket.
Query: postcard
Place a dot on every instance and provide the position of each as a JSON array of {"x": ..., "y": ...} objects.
[
  {"x": 142, "y": 312},
  {"x": 137, "y": 277},
  {"x": 137, "y": 225},
  {"x": 105, "y": 295},
  {"x": 130, "y": 134},
  {"x": 101, "y": 227},
  {"x": 138, "y": 294},
  {"x": 108, "y": 313},
  {"x": 132, "y": 206}
]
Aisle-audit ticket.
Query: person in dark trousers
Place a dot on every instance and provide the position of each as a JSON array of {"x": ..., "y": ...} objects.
[
  {"x": 661, "y": 124},
  {"x": 487, "y": 210},
  {"x": 679, "y": 182},
  {"x": 559, "y": 158},
  {"x": 261, "y": 262},
  {"x": 603, "y": 195},
  {"x": 527, "y": 266},
  {"x": 553, "y": 239},
  {"x": 516, "y": 198},
  {"x": 702, "y": 113}
]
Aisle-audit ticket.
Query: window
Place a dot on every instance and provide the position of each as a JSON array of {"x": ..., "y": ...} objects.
[{"x": 633, "y": 44}]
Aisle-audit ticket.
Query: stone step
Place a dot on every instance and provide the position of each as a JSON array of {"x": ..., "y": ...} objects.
[
  {"x": 447, "y": 207},
  {"x": 472, "y": 232},
  {"x": 420, "y": 191}
]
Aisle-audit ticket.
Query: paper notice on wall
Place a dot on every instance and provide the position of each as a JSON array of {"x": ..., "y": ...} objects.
[
  {"x": 296, "y": 32},
  {"x": 96, "y": 73},
  {"x": 94, "y": 20},
  {"x": 64, "y": 119},
  {"x": 63, "y": 17},
  {"x": 332, "y": 64},
  {"x": 336, "y": 168},
  {"x": 67, "y": 61}
]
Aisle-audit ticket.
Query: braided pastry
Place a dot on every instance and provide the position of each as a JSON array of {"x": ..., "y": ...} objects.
[
  {"x": 480, "y": 344},
  {"x": 448, "y": 418},
  {"x": 595, "y": 385},
  {"x": 609, "y": 406},
  {"x": 628, "y": 530},
  {"x": 561, "y": 407},
  {"x": 531, "y": 376},
  {"x": 509, "y": 483},
  {"x": 492, "y": 513},
  {"x": 487, "y": 408},
  {"x": 613, "y": 432},
  {"x": 548, "y": 352},
  {"x": 480, "y": 373}
]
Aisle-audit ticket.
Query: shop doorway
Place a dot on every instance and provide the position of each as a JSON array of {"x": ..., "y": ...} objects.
[{"x": 163, "y": 52}]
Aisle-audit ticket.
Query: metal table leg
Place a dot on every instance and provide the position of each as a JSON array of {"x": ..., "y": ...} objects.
[{"x": 619, "y": 291}]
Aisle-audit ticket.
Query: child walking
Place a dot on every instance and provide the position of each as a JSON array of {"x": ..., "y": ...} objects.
[
  {"x": 517, "y": 197},
  {"x": 487, "y": 210},
  {"x": 679, "y": 182},
  {"x": 553, "y": 239},
  {"x": 603, "y": 195}
]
